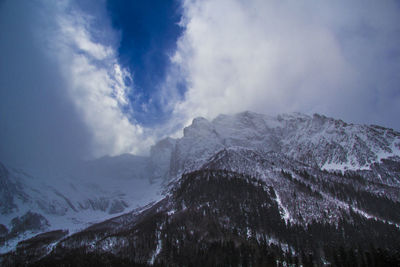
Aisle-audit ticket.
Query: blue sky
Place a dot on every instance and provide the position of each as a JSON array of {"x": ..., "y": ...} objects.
[
  {"x": 149, "y": 31},
  {"x": 83, "y": 79}
]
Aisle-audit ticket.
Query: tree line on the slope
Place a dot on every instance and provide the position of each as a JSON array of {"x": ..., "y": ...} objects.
[{"x": 224, "y": 218}]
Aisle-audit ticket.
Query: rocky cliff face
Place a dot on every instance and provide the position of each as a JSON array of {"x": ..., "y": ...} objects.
[{"x": 316, "y": 140}]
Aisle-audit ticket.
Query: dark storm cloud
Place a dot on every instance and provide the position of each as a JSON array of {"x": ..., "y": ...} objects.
[
  {"x": 63, "y": 92},
  {"x": 38, "y": 125}
]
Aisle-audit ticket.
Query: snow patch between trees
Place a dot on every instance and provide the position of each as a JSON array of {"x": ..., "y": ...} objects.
[{"x": 282, "y": 209}]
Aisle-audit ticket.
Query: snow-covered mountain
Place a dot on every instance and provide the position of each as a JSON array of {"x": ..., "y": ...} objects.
[
  {"x": 316, "y": 140},
  {"x": 296, "y": 146},
  {"x": 90, "y": 192},
  {"x": 283, "y": 186}
]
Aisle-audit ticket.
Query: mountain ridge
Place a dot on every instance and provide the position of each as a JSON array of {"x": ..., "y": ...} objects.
[
  {"x": 324, "y": 142},
  {"x": 321, "y": 171}
]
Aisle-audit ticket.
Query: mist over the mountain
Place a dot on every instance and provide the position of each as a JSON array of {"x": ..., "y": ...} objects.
[
  {"x": 69, "y": 90},
  {"x": 39, "y": 126},
  {"x": 63, "y": 95},
  {"x": 125, "y": 140},
  {"x": 284, "y": 189}
]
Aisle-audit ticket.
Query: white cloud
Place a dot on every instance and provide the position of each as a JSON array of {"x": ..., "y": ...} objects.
[
  {"x": 74, "y": 29},
  {"x": 340, "y": 58},
  {"x": 283, "y": 56},
  {"x": 95, "y": 84}
]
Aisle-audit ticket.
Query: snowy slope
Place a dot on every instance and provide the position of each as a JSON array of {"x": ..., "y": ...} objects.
[
  {"x": 321, "y": 169},
  {"x": 92, "y": 192},
  {"x": 279, "y": 150}
]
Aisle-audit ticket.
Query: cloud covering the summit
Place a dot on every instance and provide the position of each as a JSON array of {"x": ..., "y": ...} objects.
[
  {"x": 71, "y": 89},
  {"x": 338, "y": 58}
]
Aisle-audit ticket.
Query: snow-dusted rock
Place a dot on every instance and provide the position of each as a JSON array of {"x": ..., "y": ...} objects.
[{"x": 316, "y": 140}]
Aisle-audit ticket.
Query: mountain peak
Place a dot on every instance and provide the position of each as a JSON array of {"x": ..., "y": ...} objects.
[
  {"x": 317, "y": 140},
  {"x": 199, "y": 120},
  {"x": 237, "y": 171}
]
